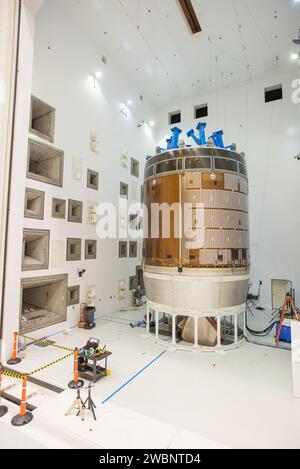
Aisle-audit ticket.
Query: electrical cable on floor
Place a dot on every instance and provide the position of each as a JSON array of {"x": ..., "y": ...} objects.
[
  {"x": 276, "y": 317},
  {"x": 267, "y": 331}
]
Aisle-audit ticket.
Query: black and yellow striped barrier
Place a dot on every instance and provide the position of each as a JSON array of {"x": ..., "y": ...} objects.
[
  {"x": 38, "y": 370},
  {"x": 47, "y": 344},
  {"x": 11, "y": 374},
  {"x": 72, "y": 352}
]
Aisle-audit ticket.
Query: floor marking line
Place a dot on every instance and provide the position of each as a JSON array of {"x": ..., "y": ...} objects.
[{"x": 134, "y": 377}]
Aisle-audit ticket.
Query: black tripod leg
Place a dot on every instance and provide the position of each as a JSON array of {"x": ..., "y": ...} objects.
[
  {"x": 84, "y": 404},
  {"x": 92, "y": 409}
]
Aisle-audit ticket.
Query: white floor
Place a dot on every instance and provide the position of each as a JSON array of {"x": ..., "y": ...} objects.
[{"x": 183, "y": 400}]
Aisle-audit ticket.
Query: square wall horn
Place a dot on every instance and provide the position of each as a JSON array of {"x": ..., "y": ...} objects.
[
  {"x": 74, "y": 295},
  {"x": 42, "y": 119},
  {"x": 59, "y": 208},
  {"x": 73, "y": 249},
  {"x": 92, "y": 180},
  {"x": 34, "y": 204},
  {"x": 133, "y": 249},
  {"x": 35, "y": 250},
  {"x": 135, "y": 168},
  {"x": 91, "y": 249},
  {"x": 75, "y": 211},
  {"x": 123, "y": 190},
  {"x": 123, "y": 249},
  {"x": 45, "y": 163}
]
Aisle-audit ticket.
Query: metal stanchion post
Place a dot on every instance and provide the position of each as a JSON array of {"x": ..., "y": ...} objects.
[
  {"x": 14, "y": 359},
  {"x": 24, "y": 417},
  {"x": 76, "y": 383},
  {"x": 3, "y": 408}
]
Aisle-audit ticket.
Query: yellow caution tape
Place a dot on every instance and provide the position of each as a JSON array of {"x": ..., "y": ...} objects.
[
  {"x": 12, "y": 374},
  {"x": 43, "y": 342},
  {"x": 38, "y": 370}
]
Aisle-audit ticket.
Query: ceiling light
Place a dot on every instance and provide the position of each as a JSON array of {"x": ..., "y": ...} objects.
[
  {"x": 295, "y": 56},
  {"x": 129, "y": 102},
  {"x": 152, "y": 123},
  {"x": 98, "y": 75}
]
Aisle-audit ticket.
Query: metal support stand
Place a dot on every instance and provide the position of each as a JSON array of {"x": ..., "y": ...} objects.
[
  {"x": 76, "y": 383},
  {"x": 77, "y": 405},
  {"x": 89, "y": 403},
  {"x": 14, "y": 360},
  {"x": 3, "y": 408}
]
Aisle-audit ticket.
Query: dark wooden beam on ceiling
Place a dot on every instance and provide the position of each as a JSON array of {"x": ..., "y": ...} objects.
[{"x": 190, "y": 16}]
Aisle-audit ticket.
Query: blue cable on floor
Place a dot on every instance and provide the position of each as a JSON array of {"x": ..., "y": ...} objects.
[{"x": 135, "y": 376}]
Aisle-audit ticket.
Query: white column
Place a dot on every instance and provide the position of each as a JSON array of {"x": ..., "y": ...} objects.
[
  {"x": 148, "y": 319},
  {"x": 174, "y": 330},
  {"x": 236, "y": 329},
  {"x": 196, "y": 332},
  {"x": 156, "y": 325},
  {"x": 219, "y": 331},
  {"x": 9, "y": 16}
]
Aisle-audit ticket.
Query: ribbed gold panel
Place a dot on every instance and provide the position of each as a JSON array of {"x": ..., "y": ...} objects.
[{"x": 218, "y": 206}]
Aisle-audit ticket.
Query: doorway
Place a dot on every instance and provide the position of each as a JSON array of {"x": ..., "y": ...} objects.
[{"x": 279, "y": 290}]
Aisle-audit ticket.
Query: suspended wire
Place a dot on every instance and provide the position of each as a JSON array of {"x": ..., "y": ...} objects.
[
  {"x": 243, "y": 44},
  {"x": 172, "y": 40},
  {"x": 247, "y": 110},
  {"x": 218, "y": 92},
  {"x": 148, "y": 44},
  {"x": 267, "y": 171},
  {"x": 225, "y": 52},
  {"x": 259, "y": 28},
  {"x": 138, "y": 14},
  {"x": 210, "y": 60},
  {"x": 223, "y": 98}
]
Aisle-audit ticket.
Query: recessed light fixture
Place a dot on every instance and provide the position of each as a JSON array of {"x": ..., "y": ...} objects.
[
  {"x": 143, "y": 123},
  {"x": 295, "y": 56},
  {"x": 93, "y": 77},
  {"x": 125, "y": 107},
  {"x": 296, "y": 40}
]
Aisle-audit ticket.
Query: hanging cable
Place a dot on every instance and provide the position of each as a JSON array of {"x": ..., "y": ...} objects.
[
  {"x": 240, "y": 29},
  {"x": 218, "y": 92},
  {"x": 259, "y": 29},
  {"x": 262, "y": 333},
  {"x": 191, "y": 70},
  {"x": 210, "y": 61},
  {"x": 149, "y": 46}
]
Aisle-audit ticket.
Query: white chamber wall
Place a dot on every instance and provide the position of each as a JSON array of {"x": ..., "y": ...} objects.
[
  {"x": 270, "y": 136},
  {"x": 63, "y": 61}
]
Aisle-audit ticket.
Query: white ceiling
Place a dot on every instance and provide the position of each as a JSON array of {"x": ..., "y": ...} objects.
[{"x": 149, "y": 42}]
